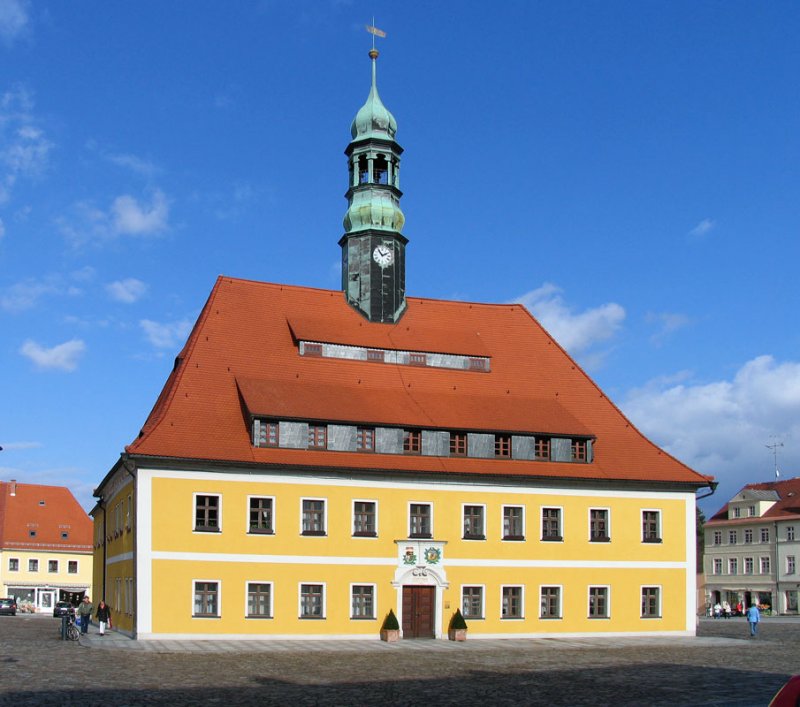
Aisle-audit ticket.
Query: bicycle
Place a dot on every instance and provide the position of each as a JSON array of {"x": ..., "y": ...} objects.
[{"x": 73, "y": 634}]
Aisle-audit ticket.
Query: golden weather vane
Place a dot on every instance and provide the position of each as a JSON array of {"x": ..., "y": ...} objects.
[{"x": 375, "y": 32}]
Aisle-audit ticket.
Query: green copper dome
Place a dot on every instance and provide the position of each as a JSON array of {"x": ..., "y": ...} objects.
[
  {"x": 373, "y": 120},
  {"x": 379, "y": 210}
]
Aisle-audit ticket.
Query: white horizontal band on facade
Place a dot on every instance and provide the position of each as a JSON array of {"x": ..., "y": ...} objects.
[
  {"x": 392, "y": 561},
  {"x": 122, "y": 557}
]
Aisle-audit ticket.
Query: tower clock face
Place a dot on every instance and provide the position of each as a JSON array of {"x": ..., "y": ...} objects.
[{"x": 383, "y": 255}]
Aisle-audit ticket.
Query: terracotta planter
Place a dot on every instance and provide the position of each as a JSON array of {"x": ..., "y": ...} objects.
[
  {"x": 390, "y": 635},
  {"x": 457, "y": 634}
]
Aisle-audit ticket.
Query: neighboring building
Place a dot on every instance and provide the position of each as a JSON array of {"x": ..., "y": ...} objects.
[
  {"x": 45, "y": 545},
  {"x": 317, "y": 458},
  {"x": 752, "y": 548}
]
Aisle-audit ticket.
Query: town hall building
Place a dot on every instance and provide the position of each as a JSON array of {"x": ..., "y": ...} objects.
[{"x": 318, "y": 458}]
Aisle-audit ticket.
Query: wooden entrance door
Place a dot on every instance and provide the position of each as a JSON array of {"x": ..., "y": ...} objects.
[{"x": 418, "y": 612}]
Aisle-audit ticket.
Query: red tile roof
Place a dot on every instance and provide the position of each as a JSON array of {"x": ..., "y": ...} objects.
[
  {"x": 48, "y": 510},
  {"x": 788, "y": 505},
  {"x": 242, "y": 356}
]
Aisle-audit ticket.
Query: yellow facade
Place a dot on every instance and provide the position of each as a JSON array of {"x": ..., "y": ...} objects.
[{"x": 167, "y": 557}]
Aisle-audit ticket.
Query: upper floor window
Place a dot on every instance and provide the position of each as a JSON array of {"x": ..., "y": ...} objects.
[
  {"x": 312, "y": 349},
  {"x": 751, "y": 510},
  {"x": 541, "y": 447},
  {"x": 458, "y": 444},
  {"x": 598, "y": 525},
  {"x": 765, "y": 567},
  {"x": 651, "y": 602},
  {"x": 731, "y": 537},
  {"x": 206, "y": 599},
  {"x": 651, "y": 526},
  {"x": 418, "y": 359},
  {"x": 265, "y": 433},
  {"x": 365, "y": 439},
  {"x": 717, "y": 537},
  {"x": 259, "y": 600},
  {"x": 477, "y": 364},
  {"x": 13, "y": 564},
  {"x": 313, "y": 517},
  {"x": 364, "y": 519},
  {"x": 550, "y": 602},
  {"x": 472, "y": 602},
  {"x": 512, "y": 604},
  {"x": 502, "y": 446},
  {"x": 52, "y": 566},
  {"x": 473, "y": 523},
  {"x": 748, "y": 565},
  {"x": 362, "y": 600},
  {"x": 737, "y": 512},
  {"x": 598, "y": 602},
  {"x": 312, "y": 601},
  {"x": 717, "y": 565},
  {"x": 579, "y": 450},
  {"x": 790, "y": 564},
  {"x": 206, "y": 513},
  {"x": 733, "y": 565},
  {"x": 551, "y": 524},
  {"x": 72, "y": 567},
  {"x": 317, "y": 436},
  {"x": 261, "y": 510},
  {"x": 764, "y": 535},
  {"x": 513, "y": 523},
  {"x": 420, "y": 520},
  {"x": 748, "y": 535},
  {"x": 375, "y": 355},
  {"x": 33, "y": 565},
  {"x": 790, "y": 532},
  {"x": 412, "y": 441}
]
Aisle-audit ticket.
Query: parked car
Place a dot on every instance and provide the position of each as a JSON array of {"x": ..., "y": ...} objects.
[
  {"x": 62, "y": 608},
  {"x": 8, "y": 606},
  {"x": 788, "y": 695}
]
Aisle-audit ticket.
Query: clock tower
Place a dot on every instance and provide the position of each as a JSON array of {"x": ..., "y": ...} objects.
[{"x": 373, "y": 247}]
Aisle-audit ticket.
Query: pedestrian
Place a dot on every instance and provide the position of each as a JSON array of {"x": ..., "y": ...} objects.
[
  {"x": 753, "y": 617},
  {"x": 103, "y": 617},
  {"x": 717, "y": 610},
  {"x": 85, "y": 613},
  {"x": 726, "y": 609}
]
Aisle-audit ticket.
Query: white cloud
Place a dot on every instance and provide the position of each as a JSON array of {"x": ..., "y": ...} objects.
[
  {"x": 13, "y": 19},
  {"x": 62, "y": 357},
  {"x": 128, "y": 291},
  {"x": 11, "y": 446},
  {"x": 135, "y": 164},
  {"x": 131, "y": 217},
  {"x": 722, "y": 427},
  {"x": 576, "y": 332},
  {"x": 169, "y": 335},
  {"x": 703, "y": 228},
  {"x": 26, "y": 295},
  {"x": 668, "y": 323}
]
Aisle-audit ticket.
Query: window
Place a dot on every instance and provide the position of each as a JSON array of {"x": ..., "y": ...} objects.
[
  {"x": 13, "y": 564},
  {"x": 375, "y": 355},
  {"x": 312, "y": 349},
  {"x": 362, "y": 601},
  {"x": 748, "y": 565},
  {"x": 511, "y": 603},
  {"x": 412, "y": 441},
  {"x": 765, "y": 569},
  {"x": 598, "y": 602},
  {"x": 598, "y": 525},
  {"x": 748, "y": 535},
  {"x": 317, "y": 436},
  {"x": 420, "y": 520},
  {"x": 579, "y": 447},
  {"x": 790, "y": 564},
  {"x": 717, "y": 537},
  {"x": 477, "y": 364},
  {"x": 551, "y": 603},
  {"x": 206, "y": 513},
  {"x": 764, "y": 535},
  {"x": 52, "y": 566},
  {"x": 751, "y": 511},
  {"x": 717, "y": 565},
  {"x": 312, "y": 601},
  {"x": 541, "y": 448},
  {"x": 313, "y": 517},
  {"x": 129, "y": 513},
  {"x": 417, "y": 359},
  {"x": 731, "y": 537},
  {"x": 259, "y": 600},
  {"x": 33, "y": 565},
  {"x": 551, "y": 524},
  {"x": 790, "y": 532},
  {"x": 365, "y": 439},
  {"x": 72, "y": 567},
  {"x": 206, "y": 599},
  {"x": 472, "y": 602},
  {"x": 364, "y": 519},
  {"x": 651, "y": 602},
  {"x": 458, "y": 444},
  {"x": 733, "y": 565},
  {"x": 502, "y": 446},
  {"x": 737, "y": 512},
  {"x": 261, "y": 515},
  {"x": 513, "y": 523},
  {"x": 265, "y": 433},
  {"x": 651, "y": 526},
  {"x": 473, "y": 523}
]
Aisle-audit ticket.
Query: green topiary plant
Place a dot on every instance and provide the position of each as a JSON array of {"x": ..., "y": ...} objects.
[
  {"x": 390, "y": 622},
  {"x": 457, "y": 622}
]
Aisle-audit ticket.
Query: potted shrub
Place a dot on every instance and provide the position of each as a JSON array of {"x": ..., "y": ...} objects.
[
  {"x": 390, "y": 630},
  {"x": 457, "y": 630}
]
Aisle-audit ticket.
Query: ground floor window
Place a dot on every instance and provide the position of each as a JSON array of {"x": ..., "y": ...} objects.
[
  {"x": 598, "y": 602},
  {"x": 512, "y": 603},
  {"x": 312, "y": 601},
  {"x": 363, "y": 601},
  {"x": 472, "y": 602},
  {"x": 651, "y": 602},
  {"x": 551, "y": 603},
  {"x": 259, "y": 600},
  {"x": 206, "y": 599}
]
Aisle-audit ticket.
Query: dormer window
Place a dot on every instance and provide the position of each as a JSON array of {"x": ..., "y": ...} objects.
[
  {"x": 310, "y": 349},
  {"x": 502, "y": 446},
  {"x": 579, "y": 450},
  {"x": 375, "y": 355},
  {"x": 412, "y": 441},
  {"x": 477, "y": 364},
  {"x": 737, "y": 512},
  {"x": 751, "y": 511},
  {"x": 542, "y": 448},
  {"x": 365, "y": 439},
  {"x": 265, "y": 433},
  {"x": 417, "y": 359}
]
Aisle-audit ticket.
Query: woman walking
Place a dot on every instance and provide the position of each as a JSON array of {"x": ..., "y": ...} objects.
[{"x": 103, "y": 617}]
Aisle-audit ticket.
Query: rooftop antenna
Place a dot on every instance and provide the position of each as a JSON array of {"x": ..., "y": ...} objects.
[{"x": 774, "y": 449}]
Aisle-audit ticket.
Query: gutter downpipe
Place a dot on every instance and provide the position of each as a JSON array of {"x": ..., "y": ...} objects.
[{"x": 135, "y": 528}]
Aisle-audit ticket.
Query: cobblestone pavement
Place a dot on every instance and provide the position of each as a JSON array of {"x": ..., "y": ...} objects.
[{"x": 722, "y": 666}]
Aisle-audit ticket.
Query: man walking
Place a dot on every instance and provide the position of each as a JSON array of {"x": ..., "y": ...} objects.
[
  {"x": 753, "y": 617},
  {"x": 85, "y": 612}
]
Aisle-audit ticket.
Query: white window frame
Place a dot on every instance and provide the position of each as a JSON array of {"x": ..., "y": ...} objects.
[
  {"x": 353, "y": 521},
  {"x": 745, "y": 536},
  {"x": 313, "y": 534},
  {"x": 763, "y": 535},
  {"x": 790, "y": 533},
  {"x": 471, "y": 585},
  {"x": 660, "y": 615},
  {"x": 193, "y": 584},
  {"x": 607, "y": 587},
  {"x": 660, "y": 526},
  {"x": 560, "y": 588},
  {"x": 195, "y": 494},
  {"x": 10, "y": 559},
  {"x": 791, "y": 564},
  {"x": 752, "y": 565},
  {"x": 374, "y": 601},
  {"x": 717, "y": 562},
  {"x": 762, "y": 561},
  {"x": 717, "y": 534},
  {"x": 502, "y": 518},
  {"x": 324, "y": 586},
  {"x": 33, "y": 562},
  {"x": 247, "y": 584},
  {"x": 482, "y": 506},
  {"x": 521, "y": 587},
  {"x": 55, "y": 571},
  {"x": 561, "y": 526},
  {"x": 408, "y": 517},
  {"x": 589, "y": 524},
  {"x": 731, "y": 562},
  {"x": 274, "y": 514}
]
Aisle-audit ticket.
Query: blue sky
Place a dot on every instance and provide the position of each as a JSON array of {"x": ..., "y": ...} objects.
[{"x": 628, "y": 170}]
